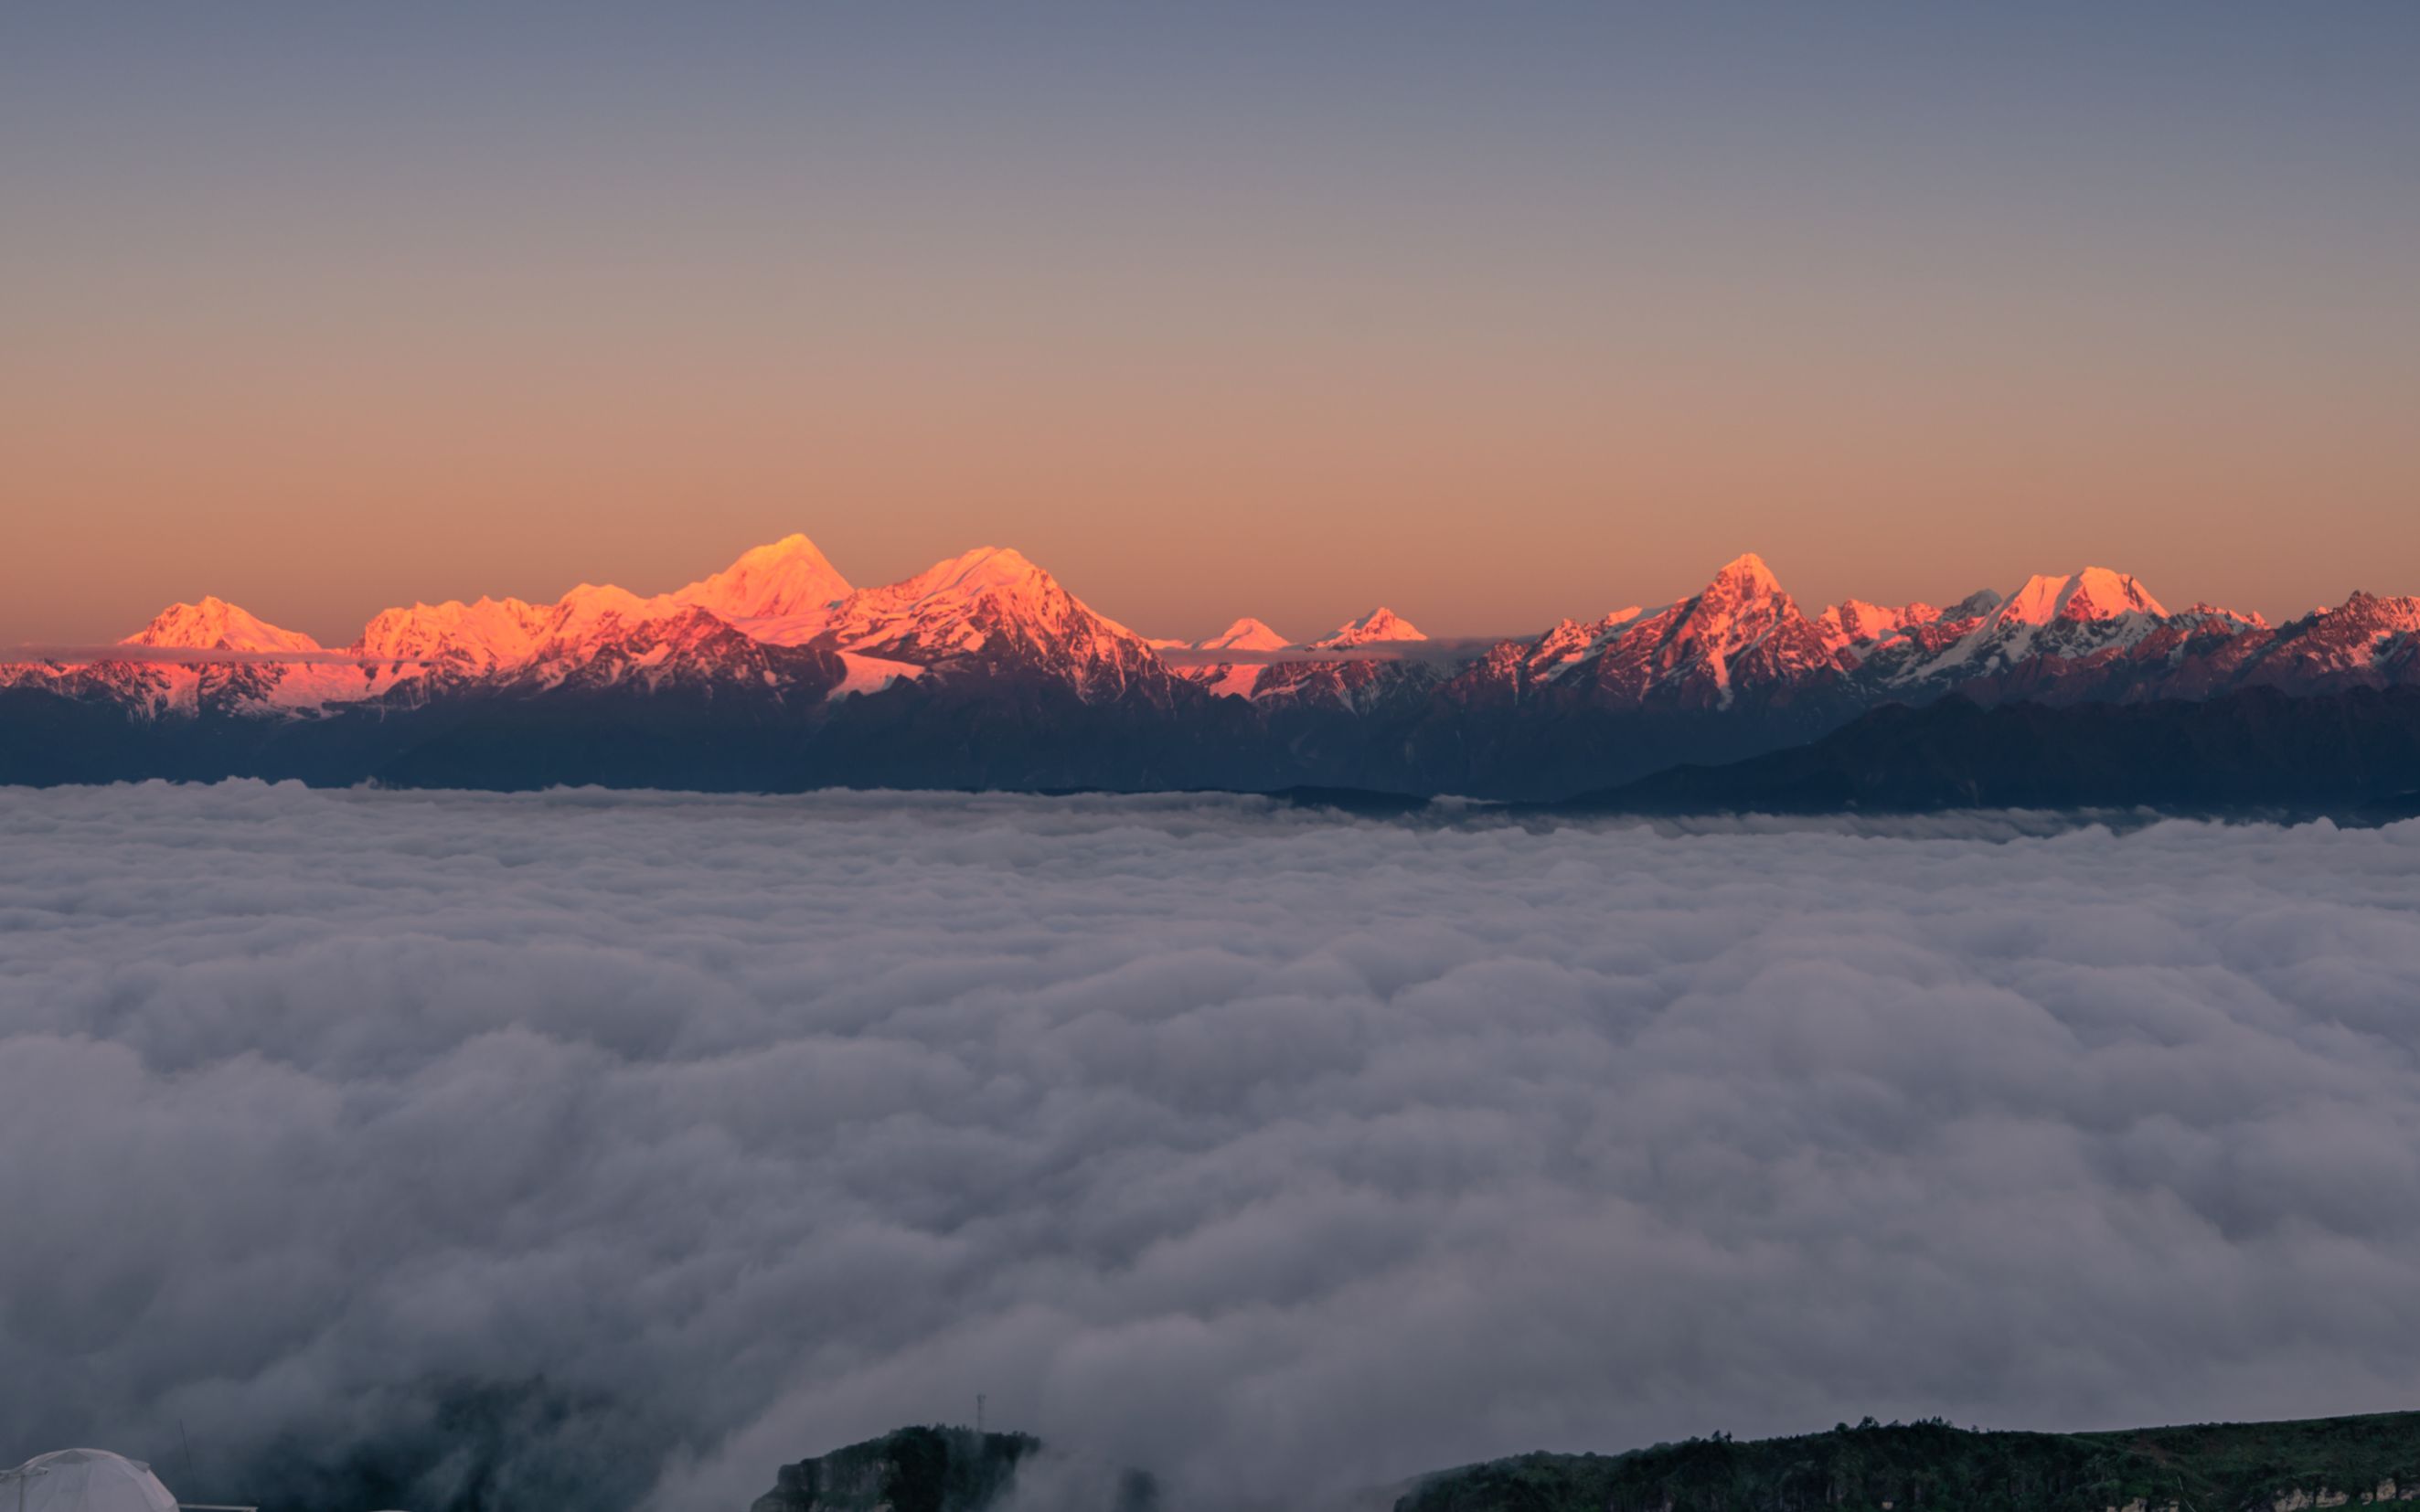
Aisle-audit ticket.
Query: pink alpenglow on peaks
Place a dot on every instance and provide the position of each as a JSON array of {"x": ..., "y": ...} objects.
[
  {"x": 1247, "y": 634},
  {"x": 1854, "y": 621},
  {"x": 591, "y": 606},
  {"x": 2094, "y": 594},
  {"x": 992, "y": 609},
  {"x": 1249, "y": 637},
  {"x": 985, "y": 569},
  {"x": 2083, "y": 618},
  {"x": 1741, "y": 631},
  {"x": 1744, "y": 576},
  {"x": 173, "y": 666},
  {"x": 787, "y": 577},
  {"x": 451, "y": 640},
  {"x": 781, "y": 626},
  {"x": 1377, "y": 626},
  {"x": 215, "y": 625},
  {"x": 989, "y": 607},
  {"x": 941, "y": 606}
]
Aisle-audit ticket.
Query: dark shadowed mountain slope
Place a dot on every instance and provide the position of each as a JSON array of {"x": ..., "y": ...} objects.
[{"x": 2252, "y": 748}]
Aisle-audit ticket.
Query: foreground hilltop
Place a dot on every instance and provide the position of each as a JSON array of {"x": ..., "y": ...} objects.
[
  {"x": 907, "y": 1470},
  {"x": 940, "y": 1469},
  {"x": 1915, "y": 1467},
  {"x": 2230, "y": 1467}
]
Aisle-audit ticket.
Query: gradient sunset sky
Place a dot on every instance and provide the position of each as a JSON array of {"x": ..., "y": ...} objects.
[{"x": 1493, "y": 314}]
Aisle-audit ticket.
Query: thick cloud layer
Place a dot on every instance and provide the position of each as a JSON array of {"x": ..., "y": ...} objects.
[{"x": 678, "y": 1137}]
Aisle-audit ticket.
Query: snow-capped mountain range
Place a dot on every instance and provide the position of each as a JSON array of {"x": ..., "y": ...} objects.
[{"x": 782, "y": 634}]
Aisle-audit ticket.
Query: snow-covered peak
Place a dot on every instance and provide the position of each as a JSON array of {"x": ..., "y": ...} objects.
[
  {"x": 940, "y": 601},
  {"x": 1741, "y": 631},
  {"x": 948, "y": 594},
  {"x": 215, "y": 625},
  {"x": 593, "y": 605},
  {"x": 1743, "y": 622},
  {"x": 785, "y": 576},
  {"x": 2094, "y": 594},
  {"x": 1379, "y": 625},
  {"x": 468, "y": 638},
  {"x": 2090, "y": 613},
  {"x": 1854, "y": 621},
  {"x": 1570, "y": 644},
  {"x": 985, "y": 569},
  {"x": 454, "y": 641},
  {"x": 989, "y": 608},
  {"x": 1742, "y": 604},
  {"x": 1247, "y": 634},
  {"x": 1745, "y": 577}
]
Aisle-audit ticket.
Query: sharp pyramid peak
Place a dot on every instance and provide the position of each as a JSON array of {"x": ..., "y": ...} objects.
[
  {"x": 783, "y": 578},
  {"x": 1746, "y": 574},
  {"x": 791, "y": 547},
  {"x": 1380, "y": 625},
  {"x": 1245, "y": 634}
]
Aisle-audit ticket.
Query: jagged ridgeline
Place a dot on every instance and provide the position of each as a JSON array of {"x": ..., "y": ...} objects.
[
  {"x": 2271, "y": 1467},
  {"x": 935, "y": 1470},
  {"x": 985, "y": 671}
]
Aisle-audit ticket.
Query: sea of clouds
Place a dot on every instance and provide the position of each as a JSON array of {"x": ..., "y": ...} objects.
[{"x": 610, "y": 1150}]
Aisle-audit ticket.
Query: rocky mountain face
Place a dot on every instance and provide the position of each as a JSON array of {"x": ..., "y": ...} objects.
[{"x": 984, "y": 669}]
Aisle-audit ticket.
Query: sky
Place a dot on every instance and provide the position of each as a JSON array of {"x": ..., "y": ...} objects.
[
  {"x": 1493, "y": 315},
  {"x": 1278, "y": 1154}
]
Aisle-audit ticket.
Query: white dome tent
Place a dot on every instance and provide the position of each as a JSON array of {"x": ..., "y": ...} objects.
[
  {"x": 90, "y": 1480},
  {"x": 82, "y": 1480}
]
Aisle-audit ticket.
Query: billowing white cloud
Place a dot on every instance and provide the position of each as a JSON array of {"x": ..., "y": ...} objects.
[{"x": 1267, "y": 1148}]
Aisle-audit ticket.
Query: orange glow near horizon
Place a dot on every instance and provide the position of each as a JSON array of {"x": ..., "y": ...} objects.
[
  {"x": 1474, "y": 504},
  {"x": 1481, "y": 339}
]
